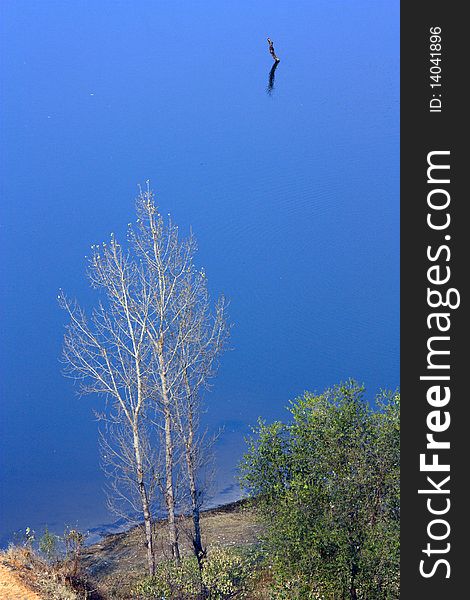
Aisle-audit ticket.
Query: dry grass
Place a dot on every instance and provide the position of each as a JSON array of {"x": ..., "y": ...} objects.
[
  {"x": 111, "y": 568},
  {"x": 14, "y": 577},
  {"x": 25, "y": 575}
]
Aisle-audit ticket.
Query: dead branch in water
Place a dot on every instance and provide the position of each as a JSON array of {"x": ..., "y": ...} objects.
[{"x": 272, "y": 52}]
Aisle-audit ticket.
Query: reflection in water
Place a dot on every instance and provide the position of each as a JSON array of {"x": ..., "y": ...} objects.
[{"x": 272, "y": 73}]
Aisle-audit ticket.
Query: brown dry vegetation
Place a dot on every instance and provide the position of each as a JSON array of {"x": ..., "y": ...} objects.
[
  {"x": 110, "y": 568},
  {"x": 26, "y": 576},
  {"x": 12, "y": 587}
]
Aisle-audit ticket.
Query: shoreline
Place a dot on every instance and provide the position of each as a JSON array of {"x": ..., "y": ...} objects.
[{"x": 128, "y": 529}]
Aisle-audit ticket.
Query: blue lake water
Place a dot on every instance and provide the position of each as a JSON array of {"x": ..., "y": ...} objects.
[{"x": 290, "y": 184}]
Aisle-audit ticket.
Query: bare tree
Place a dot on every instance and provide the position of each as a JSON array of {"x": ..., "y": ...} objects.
[
  {"x": 202, "y": 338},
  {"x": 152, "y": 346},
  {"x": 166, "y": 260},
  {"x": 118, "y": 463},
  {"x": 109, "y": 355},
  {"x": 186, "y": 340}
]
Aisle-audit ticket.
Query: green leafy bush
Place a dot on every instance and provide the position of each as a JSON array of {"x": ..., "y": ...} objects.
[
  {"x": 226, "y": 573},
  {"x": 172, "y": 581},
  {"x": 327, "y": 488}
]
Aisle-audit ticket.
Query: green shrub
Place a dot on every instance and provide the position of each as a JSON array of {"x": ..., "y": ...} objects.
[
  {"x": 172, "y": 581},
  {"x": 327, "y": 489},
  {"x": 48, "y": 543},
  {"x": 294, "y": 589},
  {"x": 226, "y": 573}
]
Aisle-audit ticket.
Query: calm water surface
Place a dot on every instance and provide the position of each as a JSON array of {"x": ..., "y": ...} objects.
[{"x": 288, "y": 178}]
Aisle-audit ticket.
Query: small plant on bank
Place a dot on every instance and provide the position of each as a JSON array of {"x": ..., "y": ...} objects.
[
  {"x": 29, "y": 538},
  {"x": 74, "y": 541},
  {"x": 48, "y": 546}
]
